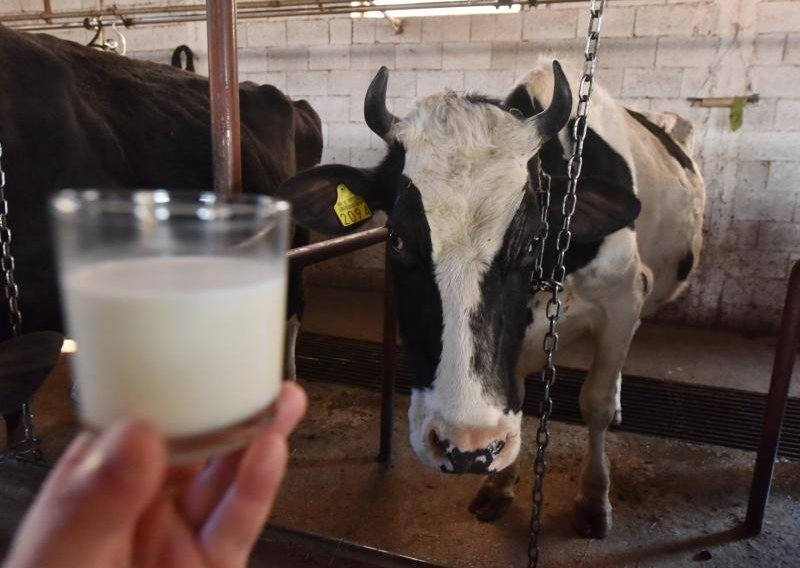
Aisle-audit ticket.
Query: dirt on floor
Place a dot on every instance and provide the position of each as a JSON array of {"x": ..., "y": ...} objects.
[{"x": 676, "y": 504}]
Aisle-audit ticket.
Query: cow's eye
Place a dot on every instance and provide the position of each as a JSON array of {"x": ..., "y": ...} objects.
[{"x": 396, "y": 242}]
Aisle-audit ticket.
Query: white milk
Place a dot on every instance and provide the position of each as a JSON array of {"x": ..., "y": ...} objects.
[{"x": 189, "y": 344}]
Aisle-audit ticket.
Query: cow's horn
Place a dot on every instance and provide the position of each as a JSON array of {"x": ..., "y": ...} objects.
[
  {"x": 378, "y": 118},
  {"x": 555, "y": 117}
]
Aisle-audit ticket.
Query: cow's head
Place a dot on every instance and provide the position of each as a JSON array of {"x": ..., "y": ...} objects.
[{"x": 462, "y": 215}]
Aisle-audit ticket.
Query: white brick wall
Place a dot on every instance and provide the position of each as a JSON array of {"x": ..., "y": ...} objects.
[{"x": 654, "y": 54}]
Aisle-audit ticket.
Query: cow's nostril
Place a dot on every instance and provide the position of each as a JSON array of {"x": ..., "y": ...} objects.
[
  {"x": 438, "y": 442},
  {"x": 496, "y": 447}
]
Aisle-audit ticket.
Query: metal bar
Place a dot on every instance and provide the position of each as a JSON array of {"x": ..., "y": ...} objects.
[
  {"x": 389, "y": 362},
  {"x": 325, "y": 250},
  {"x": 223, "y": 87},
  {"x": 785, "y": 352},
  {"x": 151, "y": 15}
]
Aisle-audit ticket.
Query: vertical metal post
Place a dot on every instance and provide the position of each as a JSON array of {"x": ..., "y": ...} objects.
[
  {"x": 224, "y": 96},
  {"x": 389, "y": 363},
  {"x": 788, "y": 341}
]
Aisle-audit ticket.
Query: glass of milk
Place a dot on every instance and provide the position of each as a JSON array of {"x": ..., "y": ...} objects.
[{"x": 177, "y": 302}]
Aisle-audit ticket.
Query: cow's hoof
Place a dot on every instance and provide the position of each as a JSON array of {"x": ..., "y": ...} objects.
[
  {"x": 490, "y": 504},
  {"x": 617, "y": 420},
  {"x": 591, "y": 522}
]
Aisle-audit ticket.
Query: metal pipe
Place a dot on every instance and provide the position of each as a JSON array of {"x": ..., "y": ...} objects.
[
  {"x": 785, "y": 352},
  {"x": 388, "y": 385},
  {"x": 223, "y": 85},
  {"x": 325, "y": 250},
  {"x": 152, "y": 15}
]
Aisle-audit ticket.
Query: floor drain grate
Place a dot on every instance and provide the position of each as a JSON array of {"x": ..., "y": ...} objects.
[{"x": 711, "y": 415}]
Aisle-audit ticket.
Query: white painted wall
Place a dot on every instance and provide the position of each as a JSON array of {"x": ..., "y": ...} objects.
[{"x": 654, "y": 54}]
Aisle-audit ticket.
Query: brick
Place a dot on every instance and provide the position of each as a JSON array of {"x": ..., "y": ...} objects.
[
  {"x": 779, "y": 236},
  {"x": 287, "y": 58},
  {"x": 445, "y": 28},
  {"x": 741, "y": 235},
  {"x": 750, "y": 318},
  {"x": 758, "y": 263},
  {"x": 332, "y": 108},
  {"x": 466, "y": 55},
  {"x": 754, "y": 291},
  {"x": 349, "y": 82},
  {"x": 363, "y": 30},
  {"x": 768, "y": 49},
  {"x": 266, "y": 33},
  {"x": 687, "y": 51},
  {"x": 335, "y": 155},
  {"x": 632, "y": 52},
  {"x": 307, "y": 83},
  {"x": 411, "y": 32},
  {"x": 751, "y": 176},
  {"x": 616, "y": 23},
  {"x": 366, "y": 157},
  {"x": 784, "y": 176},
  {"x": 777, "y": 206},
  {"x": 481, "y": 28},
  {"x": 350, "y": 134},
  {"x": 770, "y": 146},
  {"x": 496, "y": 83},
  {"x": 431, "y": 82},
  {"x": 508, "y": 27},
  {"x": 252, "y": 60},
  {"x": 419, "y": 56},
  {"x": 402, "y": 106},
  {"x": 504, "y": 55},
  {"x": 678, "y": 20},
  {"x": 341, "y": 32},
  {"x": 402, "y": 84},
  {"x": 791, "y": 54},
  {"x": 652, "y": 82},
  {"x": 549, "y": 24},
  {"x": 783, "y": 81},
  {"x": 372, "y": 57},
  {"x": 787, "y": 115},
  {"x": 276, "y": 79},
  {"x": 307, "y": 32},
  {"x": 569, "y": 52},
  {"x": 777, "y": 17},
  {"x": 329, "y": 57},
  {"x": 696, "y": 82}
]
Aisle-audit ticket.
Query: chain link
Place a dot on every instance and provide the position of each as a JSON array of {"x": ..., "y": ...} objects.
[
  {"x": 7, "y": 264},
  {"x": 555, "y": 284}
]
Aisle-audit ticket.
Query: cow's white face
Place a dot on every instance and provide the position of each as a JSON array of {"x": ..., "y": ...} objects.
[
  {"x": 462, "y": 219},
  {"x": 466, "y": 161}
]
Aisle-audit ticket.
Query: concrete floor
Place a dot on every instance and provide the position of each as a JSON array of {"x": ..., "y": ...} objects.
[{"x": 673, "y": 501}]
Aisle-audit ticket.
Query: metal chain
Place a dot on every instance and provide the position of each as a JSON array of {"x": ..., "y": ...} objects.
[
  {"x": 556, "y": 282},
  {"x": 7, "y": 265},
  {"x": 29, "y": 446}
]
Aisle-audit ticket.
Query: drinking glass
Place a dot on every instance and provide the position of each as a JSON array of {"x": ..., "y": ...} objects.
[{"x": 177, "y": 303}]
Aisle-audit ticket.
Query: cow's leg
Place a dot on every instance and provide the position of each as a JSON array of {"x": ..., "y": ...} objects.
[
  {"x": 618, "y": 402},
  {"x": 598, "y": 401},
  {"x": 292, "y": 331},
  {"x": 496, "y": 494}
]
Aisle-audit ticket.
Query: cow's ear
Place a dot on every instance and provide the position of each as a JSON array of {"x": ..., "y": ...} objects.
[
  {"x": 604, "y": 206},
  {"x": 520, "y": 100},
  {"x": 333, "y": 199}
]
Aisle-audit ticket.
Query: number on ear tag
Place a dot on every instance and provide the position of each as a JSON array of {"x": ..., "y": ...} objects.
[{"x": 349, "y": 207}]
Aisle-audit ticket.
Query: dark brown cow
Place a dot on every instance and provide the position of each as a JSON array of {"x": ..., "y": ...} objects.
[{"x": 74, "y": 117}]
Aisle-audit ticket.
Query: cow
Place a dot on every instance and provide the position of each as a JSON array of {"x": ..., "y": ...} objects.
[
  {"x": 71, "y": 116},
  {"x": 459, "y": 184}
]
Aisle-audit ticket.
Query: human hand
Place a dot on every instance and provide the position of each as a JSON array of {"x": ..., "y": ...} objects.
[{"x": 108, "y": 501}]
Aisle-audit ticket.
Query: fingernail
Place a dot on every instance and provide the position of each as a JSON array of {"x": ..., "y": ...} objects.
[{"x": 104, "y": 452}]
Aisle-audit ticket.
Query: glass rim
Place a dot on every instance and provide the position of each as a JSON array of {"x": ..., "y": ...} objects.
[{"x": 206, "y": 205}]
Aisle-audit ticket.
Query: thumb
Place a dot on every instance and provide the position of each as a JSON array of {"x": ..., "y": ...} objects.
[{"x": 87, "y": 512}]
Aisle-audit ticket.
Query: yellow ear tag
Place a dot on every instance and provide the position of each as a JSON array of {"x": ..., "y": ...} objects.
[{"x": 349, "y": 207}]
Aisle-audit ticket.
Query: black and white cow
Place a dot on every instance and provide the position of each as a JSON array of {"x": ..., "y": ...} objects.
[{"x": 458, "y": 187}]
